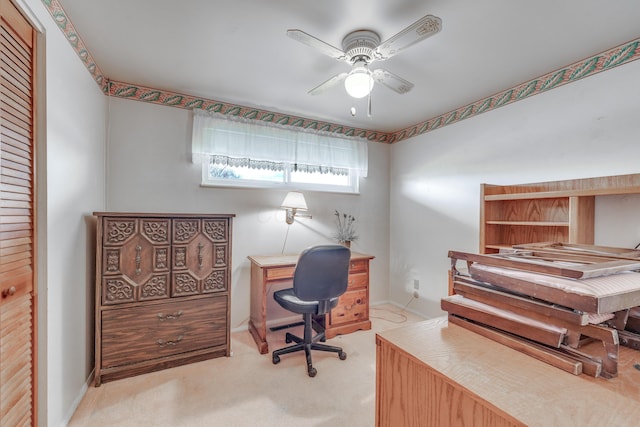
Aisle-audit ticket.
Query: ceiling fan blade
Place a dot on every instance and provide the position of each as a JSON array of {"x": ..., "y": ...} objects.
[
  {"x": 419, "y": 30},
  {"x": 323, "y": 47},
  {"x": 328, "y": 84},
  {"x": 392, "y": 81}
]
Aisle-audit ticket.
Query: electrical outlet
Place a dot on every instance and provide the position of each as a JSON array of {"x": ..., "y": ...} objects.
[
  {"x": 416, "y": 284},
  {"x": 416, "y": 295}
]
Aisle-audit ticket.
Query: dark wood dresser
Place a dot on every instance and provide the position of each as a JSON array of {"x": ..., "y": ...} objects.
[{"x": 162, "y": 291}]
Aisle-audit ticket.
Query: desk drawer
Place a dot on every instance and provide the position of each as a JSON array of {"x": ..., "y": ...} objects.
[
  {"x": 358, "y": 265},
  {"x": 156, "y": 330},
  {"x": 357, "y": 281},
  {"x": 280, "y": 273},
  {"x": 352, "y": 306}
]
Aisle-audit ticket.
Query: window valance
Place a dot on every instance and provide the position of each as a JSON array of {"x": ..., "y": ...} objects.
[{"x": 237, "y": 141}]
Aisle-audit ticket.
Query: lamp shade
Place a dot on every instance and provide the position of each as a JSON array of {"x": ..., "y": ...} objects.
[
  {"x": 294, "y": 200},
  {"x": 359, "y": 82}
]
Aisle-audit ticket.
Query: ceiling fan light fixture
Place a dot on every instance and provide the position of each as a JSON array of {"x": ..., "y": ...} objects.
[
  {"x": 362, "y": 47},
  {"x": 359, "y": 82}
]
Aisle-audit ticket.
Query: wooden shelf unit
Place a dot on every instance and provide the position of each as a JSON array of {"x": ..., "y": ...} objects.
[{"x": 553, "y": 211}]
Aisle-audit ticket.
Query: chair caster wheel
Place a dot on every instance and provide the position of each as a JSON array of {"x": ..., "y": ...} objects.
[
  {"x": 312, "y": 372},
  {"x": 342, "y": 355},
  {"x": 275, "y": 359}
]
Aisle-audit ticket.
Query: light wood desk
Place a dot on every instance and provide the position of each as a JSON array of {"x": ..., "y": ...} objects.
[
  {"x": 351, "y": 314},
  {"x": 437, "y": 374}
]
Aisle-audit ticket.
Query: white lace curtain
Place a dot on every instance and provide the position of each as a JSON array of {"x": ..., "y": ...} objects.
[{"x": 244, "y": 142}]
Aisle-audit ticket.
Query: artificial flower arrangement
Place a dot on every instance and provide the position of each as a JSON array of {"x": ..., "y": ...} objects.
[{"x": 345, "y": 228}]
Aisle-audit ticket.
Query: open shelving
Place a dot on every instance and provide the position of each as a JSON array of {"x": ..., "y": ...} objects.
[{"x": 554, "y": 211}]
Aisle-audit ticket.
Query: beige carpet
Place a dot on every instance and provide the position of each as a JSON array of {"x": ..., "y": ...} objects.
[{"x": 248, "y": 390}]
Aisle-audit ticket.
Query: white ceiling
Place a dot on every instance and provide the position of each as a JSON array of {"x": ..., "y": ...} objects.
[{"x": 236, "y": 51}]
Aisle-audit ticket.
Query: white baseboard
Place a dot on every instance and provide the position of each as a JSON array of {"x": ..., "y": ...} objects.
[
  {"x": 78, "y": 399},
  {"x": 400, "y": 306},
  {"x": 271, "y": 323}
]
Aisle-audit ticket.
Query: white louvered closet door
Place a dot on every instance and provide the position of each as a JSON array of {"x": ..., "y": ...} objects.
[{"x": 17, "y": 225}]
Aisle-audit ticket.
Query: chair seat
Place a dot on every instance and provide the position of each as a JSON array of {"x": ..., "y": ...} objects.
[{"x": 287, "y": 299}]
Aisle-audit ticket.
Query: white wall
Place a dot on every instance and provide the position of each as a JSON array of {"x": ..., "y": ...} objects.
[
  {"x": 149, "y": 170},
  {"x": 584, "y": 129},
  {"x": 71, "y": 177}
]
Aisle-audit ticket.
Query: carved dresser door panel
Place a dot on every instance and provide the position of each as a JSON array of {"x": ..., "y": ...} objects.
[
  {"x": 18, "y": 293},
  {"x": 200, "y": 254},
  {"x": 136, "y": 259}
]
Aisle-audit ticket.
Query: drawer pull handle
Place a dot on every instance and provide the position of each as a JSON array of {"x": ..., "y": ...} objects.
[
  {"x": 163, "y": 343},
  {"x": 9, "y": 292},
  {"x": 138, "y": 259},
  {"x": 200, "y": 256},
  {"x": 170, "y": 316}
]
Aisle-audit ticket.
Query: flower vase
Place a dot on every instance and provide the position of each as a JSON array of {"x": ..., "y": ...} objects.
[{"x": 347, "y": 243}]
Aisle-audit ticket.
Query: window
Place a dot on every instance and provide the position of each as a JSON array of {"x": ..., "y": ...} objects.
[
  {"x": 241, "y": 153},
  {"x": 246, "y": 176}
]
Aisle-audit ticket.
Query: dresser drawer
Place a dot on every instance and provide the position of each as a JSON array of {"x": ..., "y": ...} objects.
[
  {"x": 156, "y": 330},
  {"x": 352, "y": 306}
]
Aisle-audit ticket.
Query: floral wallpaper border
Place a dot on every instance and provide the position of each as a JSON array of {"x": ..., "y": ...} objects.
[
  {"x": 601, "y": 62},
  {"x": 578, "y": 70}
]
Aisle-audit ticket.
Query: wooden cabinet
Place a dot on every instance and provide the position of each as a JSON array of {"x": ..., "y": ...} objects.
[
  {"x": 434, "y": 373},
  {"x": 351, "y": 314},
  {"x": 162, "y": 291},
  {"x": 554, "y": 211}
]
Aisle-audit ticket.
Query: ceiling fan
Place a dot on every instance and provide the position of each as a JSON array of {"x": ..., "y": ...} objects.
[{"x": 362, "y": 47}]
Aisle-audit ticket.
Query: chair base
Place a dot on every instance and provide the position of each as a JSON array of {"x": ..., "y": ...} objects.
[
  {"x": 287, "y": 326},
  {"x": 307, "y": 344}
]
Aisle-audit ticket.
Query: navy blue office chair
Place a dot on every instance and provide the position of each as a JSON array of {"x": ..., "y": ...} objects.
[{"x": 320, "y": 277}]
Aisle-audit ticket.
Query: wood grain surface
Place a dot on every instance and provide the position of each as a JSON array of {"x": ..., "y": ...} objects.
[{"x": 436, "y": 374}]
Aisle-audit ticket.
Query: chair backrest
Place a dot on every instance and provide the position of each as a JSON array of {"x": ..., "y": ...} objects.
[{"x": 322, "y": 272}]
